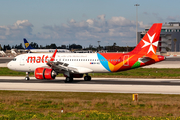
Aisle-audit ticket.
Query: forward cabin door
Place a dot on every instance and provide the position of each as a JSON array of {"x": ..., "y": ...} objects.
[
  {"x": 22, "y": 60},
  {"x": 126, "y": 63}
]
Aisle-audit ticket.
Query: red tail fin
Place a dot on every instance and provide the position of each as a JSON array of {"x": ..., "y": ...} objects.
[{"x": 148, "y": 44}]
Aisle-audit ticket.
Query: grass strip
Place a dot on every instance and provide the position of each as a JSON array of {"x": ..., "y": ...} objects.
[{"x": 77, "y": 106}]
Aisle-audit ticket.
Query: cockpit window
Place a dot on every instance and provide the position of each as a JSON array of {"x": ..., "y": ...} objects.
[{"x": 14, "y": 59}]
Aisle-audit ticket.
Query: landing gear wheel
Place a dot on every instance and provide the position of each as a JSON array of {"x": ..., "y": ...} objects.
[
  {"x": 68, "y": 79},
  {"x": 87, "y": 78},
  {"x": 26, "y": 78}
]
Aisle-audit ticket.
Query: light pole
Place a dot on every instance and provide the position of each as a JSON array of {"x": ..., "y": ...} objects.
[{"x": 136, "y": 21}]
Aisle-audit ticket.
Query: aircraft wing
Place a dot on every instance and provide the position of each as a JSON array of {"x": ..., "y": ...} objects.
[
  {"x": 64, "y": 67},
  {"x": 61, "y": 67}
]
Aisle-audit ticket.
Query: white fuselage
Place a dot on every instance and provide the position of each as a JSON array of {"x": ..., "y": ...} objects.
[{"x": 29, "y": 62}]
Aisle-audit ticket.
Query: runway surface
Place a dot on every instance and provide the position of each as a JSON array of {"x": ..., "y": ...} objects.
[
  {"x": 111, "y": 81},
  {"x": 108, "y": 85}
]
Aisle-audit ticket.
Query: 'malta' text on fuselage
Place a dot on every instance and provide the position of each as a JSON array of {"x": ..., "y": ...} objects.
[{"x": 38, "y": 59}]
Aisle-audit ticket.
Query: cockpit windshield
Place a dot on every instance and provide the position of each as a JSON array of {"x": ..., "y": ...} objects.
[{"x": 14, "y": 59}]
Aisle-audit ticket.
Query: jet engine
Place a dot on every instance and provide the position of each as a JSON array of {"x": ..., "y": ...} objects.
[{"x": 44, "y": 73}]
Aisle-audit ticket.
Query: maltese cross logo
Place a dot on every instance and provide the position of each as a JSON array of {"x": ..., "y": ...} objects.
[{"x": 151, "y": 43}]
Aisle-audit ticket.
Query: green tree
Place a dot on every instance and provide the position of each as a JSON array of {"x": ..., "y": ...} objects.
[
  {"x": 34, "y": 45},
  {"x": 53, "y": 46}
]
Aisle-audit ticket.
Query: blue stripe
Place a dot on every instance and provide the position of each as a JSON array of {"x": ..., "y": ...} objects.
[{"x": 104, "y": 63}]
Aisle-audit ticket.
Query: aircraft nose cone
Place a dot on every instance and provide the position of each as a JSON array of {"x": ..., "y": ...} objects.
[{"x": 9, "y": 65}]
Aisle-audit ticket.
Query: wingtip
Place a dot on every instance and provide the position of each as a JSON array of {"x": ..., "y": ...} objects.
[{"x": 53, "y": 56}]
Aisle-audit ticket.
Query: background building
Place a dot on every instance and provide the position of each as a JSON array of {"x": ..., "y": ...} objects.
[{"x": 169, "y": 37}]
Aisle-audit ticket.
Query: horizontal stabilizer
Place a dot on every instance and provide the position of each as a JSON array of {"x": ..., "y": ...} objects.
[{"x": 144, "y": 59}]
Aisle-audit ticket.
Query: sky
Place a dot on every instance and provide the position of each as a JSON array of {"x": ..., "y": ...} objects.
[{"x": 83, "y": 22}]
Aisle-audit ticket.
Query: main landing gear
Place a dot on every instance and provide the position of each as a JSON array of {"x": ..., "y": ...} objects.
[
  {"x": 68, "y": 79},
  {"x": 87, "y": 78},
  {"x": 27, "y": 76}
]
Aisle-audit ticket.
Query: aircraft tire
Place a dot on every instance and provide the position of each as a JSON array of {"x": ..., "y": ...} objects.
[
  {"x": 26, "y": 78},
  {"x": 68, "y": 79},
  {"x": 87, "y": 78}
]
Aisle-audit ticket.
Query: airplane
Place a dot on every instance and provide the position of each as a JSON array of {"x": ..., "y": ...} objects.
[
  {"x": 32, "y": 50},
  {"x": 75, "y": 65}
]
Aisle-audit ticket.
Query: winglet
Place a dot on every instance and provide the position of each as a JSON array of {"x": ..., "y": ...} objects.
[
  {"x": 27, "y": 45},
  {"x": 53, "y": 56}
]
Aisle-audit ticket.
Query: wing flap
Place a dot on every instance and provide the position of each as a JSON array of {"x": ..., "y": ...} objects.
[
  {"x": 80, "y": 69},
  {"x": 62, "y": 67}
]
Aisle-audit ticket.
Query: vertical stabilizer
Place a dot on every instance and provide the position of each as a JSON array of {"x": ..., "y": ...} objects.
[
  {"x": 149, "y": 43},
  {"x": 27, "y": 45}
]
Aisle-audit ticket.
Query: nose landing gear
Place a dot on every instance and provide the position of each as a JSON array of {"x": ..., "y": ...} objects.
[{"x": 27, "y": 76}]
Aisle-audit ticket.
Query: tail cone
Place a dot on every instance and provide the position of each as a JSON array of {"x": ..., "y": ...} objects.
[{"x": 161, "y": 57}]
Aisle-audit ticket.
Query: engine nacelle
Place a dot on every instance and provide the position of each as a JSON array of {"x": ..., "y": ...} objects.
[
  {"x": 75, "y": 75},
  {"x": 44, "y": 73}
]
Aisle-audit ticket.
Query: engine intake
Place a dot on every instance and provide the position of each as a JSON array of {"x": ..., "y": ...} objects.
[{"x": 44, "y": 73}]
